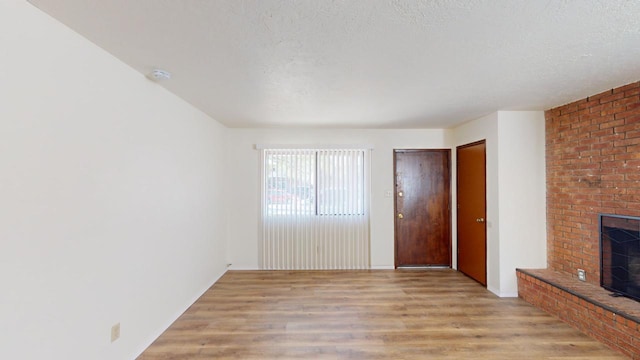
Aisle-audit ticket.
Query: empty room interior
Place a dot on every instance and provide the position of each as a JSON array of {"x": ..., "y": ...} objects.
[{"x": 358, "y": 179}]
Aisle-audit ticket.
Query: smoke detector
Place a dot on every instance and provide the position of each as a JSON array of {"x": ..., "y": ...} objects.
[{"x": 159, "y": 75}]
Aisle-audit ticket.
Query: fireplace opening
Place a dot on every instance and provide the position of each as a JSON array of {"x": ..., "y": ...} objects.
[{"x": 620, "y": 255}]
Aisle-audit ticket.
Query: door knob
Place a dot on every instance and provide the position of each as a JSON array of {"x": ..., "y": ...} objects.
[
  {"x": 400, "y": 216},
  {"x": 400, "y": 194},
  {"x": 480, "y": 220}
]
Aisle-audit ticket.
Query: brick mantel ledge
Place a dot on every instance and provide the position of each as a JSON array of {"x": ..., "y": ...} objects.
[{"x": 614, "y": 321}]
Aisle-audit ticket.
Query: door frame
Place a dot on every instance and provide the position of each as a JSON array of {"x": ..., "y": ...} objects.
[
  {"x": 486, "y": 249},
  {"x": 448, "y": 151}
]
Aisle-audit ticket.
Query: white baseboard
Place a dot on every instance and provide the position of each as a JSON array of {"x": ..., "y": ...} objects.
[
  {"x": 509, "y": 295},
  {"x": 249, "y": 268},
  {"x": 382, "y": 267},
  {"x": 503, "y": 294},
  {"x": 243, "y": 268}
]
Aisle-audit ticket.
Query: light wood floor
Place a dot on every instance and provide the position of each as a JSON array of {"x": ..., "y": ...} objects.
[{"x": 379, "y": 314}]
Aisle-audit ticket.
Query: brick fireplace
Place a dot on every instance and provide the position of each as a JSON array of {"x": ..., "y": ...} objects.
[{"x": 593, "y": 167}]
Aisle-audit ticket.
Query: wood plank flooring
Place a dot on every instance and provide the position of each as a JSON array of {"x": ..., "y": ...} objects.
[{"x": 377, "y": 314}]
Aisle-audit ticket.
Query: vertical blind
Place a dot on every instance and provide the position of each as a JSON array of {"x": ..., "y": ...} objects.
[{"x": 315, "y": 209}]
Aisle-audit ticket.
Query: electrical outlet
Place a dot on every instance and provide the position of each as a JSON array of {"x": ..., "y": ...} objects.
[
  {"x": 582, "y": 275},
  {"x": 115, "y": 332}
]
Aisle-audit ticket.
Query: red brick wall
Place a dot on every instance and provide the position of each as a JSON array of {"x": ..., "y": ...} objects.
[{"x": 593, "y": 167}]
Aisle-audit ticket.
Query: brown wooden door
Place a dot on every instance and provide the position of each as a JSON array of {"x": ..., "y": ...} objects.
[
  {"x": 471, "y": 198},
  {"x": 422, "y": 203}
]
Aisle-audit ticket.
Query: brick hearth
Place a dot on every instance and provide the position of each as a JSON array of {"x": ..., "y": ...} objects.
[{"x": 614, "y": 321}]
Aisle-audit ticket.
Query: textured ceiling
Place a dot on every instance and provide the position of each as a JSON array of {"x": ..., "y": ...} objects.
[{"x": 367, "y": 63}]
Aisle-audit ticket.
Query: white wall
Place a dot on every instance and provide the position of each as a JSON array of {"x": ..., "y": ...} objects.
[
  {"x": 244, "y": 170},
  {"x": 522, "y": 182},
  {"x": 112, "y": 205},
  {"x": 516, "y": 197}
]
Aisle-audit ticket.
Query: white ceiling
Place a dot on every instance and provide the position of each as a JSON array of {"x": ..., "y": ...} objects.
[{"x": 367, "y": 63}]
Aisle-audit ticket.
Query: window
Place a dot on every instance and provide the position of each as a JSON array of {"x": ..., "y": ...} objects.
[
  {"x": 314, "y": 182},
  {"x": 315, "y": 209}
]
